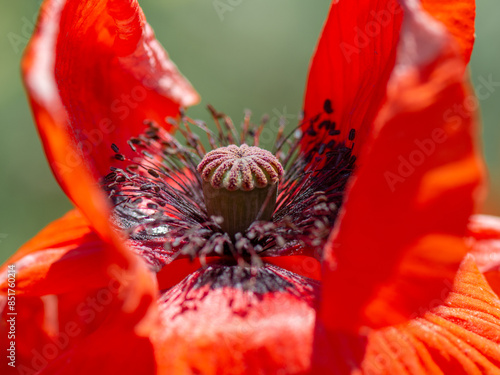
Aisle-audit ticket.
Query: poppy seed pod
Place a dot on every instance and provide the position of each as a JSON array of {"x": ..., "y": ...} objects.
[{"x": 240, "y": 184}]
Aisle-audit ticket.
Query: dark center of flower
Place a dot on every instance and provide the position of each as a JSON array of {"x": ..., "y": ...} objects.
[
  {"x": 240, "y": 185},
  {"x": 177, "y": 200}
]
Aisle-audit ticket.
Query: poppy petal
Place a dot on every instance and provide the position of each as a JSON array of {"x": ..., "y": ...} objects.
[
  {"x": 78, "y": 332},
  {"x": 458, "y": 17},
  {"x": 302, "y": 265},
  {"x": 400, "y": 235},
  {"x": 63, "y": 44},
  {"x": 68, "y": 282},
  {"x": 349, "y": 71},
  {"x": 93, "y": 335},
  {"x": 95, "y": 71},
  {"x": 484, "y": 235},
  {"x": 263, "y": 322},
  {"x": 67, "y": 255},
  {"x": 458, "y": 334}
]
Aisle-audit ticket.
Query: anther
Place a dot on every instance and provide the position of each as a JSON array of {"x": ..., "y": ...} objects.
[{"x": 240, "y": 184}]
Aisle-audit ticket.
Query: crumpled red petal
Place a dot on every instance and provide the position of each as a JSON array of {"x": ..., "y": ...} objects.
[
  {"x": 71, "y": 287},
  {"x": 458, "y": 17},
  {"x": 349, "y": 71},
  {"x": 354, "y": 59},
  {"x": 67, "y": 255},
  {"x": 216, "y": 322},
  {"x": 484, "y": 242},
  {"x": 80, "y": 59},
  {"x": 399, "y": 238},
  {"x": 458, "y": 334},
  {"x": 95, "y": 72}
]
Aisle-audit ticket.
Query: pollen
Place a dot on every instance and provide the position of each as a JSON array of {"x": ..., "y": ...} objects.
[{"x": 240, "y": 168}]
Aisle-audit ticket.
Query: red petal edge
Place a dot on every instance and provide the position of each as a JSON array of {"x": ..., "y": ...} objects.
[
  {"x": 484, "y": 241},
  {"x": 350, "y": 68},
  {"x": 214, "y": 329},
  {"x": 72, "y": 290},
  {"x": 399, "y": 239},
  {"x": 81, "y": 61},
  {"x": 94, "y": 71},
  {"x": 457, "y": 335},
  {"x": 458, "y": 17}
]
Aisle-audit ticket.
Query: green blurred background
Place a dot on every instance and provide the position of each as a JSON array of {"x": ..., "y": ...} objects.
[{"x": 253, "y": 55}]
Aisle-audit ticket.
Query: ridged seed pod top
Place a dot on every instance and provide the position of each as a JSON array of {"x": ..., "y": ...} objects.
[{"x": 240, "y": 168}]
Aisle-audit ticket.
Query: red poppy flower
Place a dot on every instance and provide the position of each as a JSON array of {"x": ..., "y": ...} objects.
[{"x": 379, "y": 183}]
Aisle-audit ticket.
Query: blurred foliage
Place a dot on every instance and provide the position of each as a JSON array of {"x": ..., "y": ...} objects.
[{"x": 255, "y": 56}]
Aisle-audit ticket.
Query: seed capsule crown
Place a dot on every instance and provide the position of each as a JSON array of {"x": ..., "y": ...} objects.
[{"x": 240, "y": 168}]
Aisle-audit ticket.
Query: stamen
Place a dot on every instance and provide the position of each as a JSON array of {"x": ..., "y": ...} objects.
[{"x": 159, "y": 189}]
